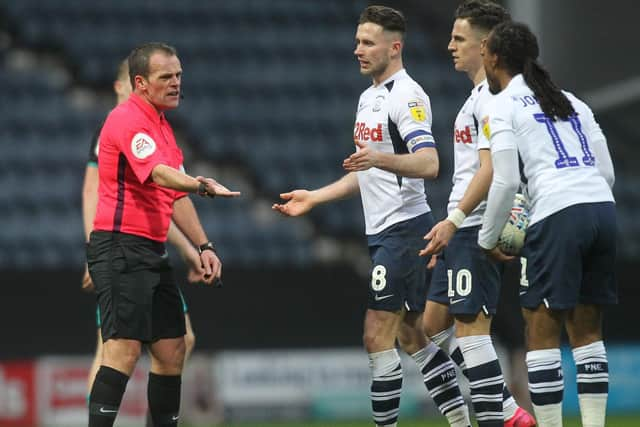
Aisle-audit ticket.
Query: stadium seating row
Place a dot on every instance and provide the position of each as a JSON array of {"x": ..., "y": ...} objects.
[{"x": 270, "y": 87}]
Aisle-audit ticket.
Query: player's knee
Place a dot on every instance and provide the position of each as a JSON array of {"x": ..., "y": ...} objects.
[
  {"x": 436, "y": 320},
  {"x": 169, "y": 360},
  {"x": 371, "y": 341},
  {"x": 411, "y": 346},
  {"x": 584, "y": 337},
  {"x": 404, "y": 341},
  {"x": 539, "y": 340},
  {"x": 374, "y": 342},
  {"x": 431, "y": 330},
  {"x": 123, "y": 357}
]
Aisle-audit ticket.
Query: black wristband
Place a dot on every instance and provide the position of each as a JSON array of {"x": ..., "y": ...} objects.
[
  {"x": 202, "y": 189},
  {"x": 206, "y": 247}
]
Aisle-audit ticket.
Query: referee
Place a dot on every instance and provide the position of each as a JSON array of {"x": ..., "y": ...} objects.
[{"x": 142, "y": 187}]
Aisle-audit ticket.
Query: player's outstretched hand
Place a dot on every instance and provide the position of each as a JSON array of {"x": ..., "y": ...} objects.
[
  {"x": 363, "y": 159},
  {"x": 212, "y": 267},
  {"x": 299, "y": 202},
  {"x": 498, "y": 255},
  {"x": 438, "y": 237},
  {"x": 214, "y": 188},
  {"x": 87, "y": 283}
]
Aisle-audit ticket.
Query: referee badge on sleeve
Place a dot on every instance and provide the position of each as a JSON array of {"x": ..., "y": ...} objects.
[
  {"x": 142, "y": 145},
  {"x": 485, "y": 127}
]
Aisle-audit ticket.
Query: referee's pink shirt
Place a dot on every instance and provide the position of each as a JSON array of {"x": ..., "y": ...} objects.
[{"x": 134, "y": 139}]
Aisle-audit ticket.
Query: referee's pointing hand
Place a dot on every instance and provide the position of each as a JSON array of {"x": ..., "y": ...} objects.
[{"x": 214, "y": 188}]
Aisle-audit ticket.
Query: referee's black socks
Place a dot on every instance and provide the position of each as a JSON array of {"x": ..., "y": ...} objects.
[
  {"x": 106, "y": 395},
  {"x": 164, "y": 399}
]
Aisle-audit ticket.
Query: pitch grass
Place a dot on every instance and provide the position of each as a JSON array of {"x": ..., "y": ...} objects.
[{"x": 612, "y": 421}]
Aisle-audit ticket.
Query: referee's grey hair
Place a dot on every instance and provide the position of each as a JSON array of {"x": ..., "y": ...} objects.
[{"x": 139, "y": 58}]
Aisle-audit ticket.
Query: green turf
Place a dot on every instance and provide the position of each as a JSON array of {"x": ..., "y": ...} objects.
[{"x": 612, "y": 421}]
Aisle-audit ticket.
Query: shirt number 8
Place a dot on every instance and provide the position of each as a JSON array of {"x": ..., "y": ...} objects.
[{"x": 378, "y": 280}]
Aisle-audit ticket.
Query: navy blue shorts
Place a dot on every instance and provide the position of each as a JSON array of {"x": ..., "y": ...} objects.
[
  {"x": 399, "y": 276},
  {"x": 465, "y": 278},
  {"x": 569, "y": 258}
]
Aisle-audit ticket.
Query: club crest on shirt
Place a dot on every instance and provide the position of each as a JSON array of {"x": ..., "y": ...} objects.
[
  {"x": 142, "y": 145},
  {"x": 378, "y": 104},
  {"x": 417, "y": 110},
  {"x": 486, "y": 129}
]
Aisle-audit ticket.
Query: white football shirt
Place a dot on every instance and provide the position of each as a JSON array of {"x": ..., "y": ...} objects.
[
  {"x": 393, "y": 117},
  {"x": 558, "y": 165},
  {"x": 465, "y": 151}
]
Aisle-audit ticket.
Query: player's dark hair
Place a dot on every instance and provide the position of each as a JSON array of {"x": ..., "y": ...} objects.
[
  {"x": 388, "y": 18},
  {"x": 138, "y": 59},
  {"x": 482, "y": 14},
  {"x": 517, "y": 50}
]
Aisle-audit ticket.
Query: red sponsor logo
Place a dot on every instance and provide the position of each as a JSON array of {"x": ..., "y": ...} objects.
[
  {"x": 17, "y": 395},
  {"x": 69, "y": 388},
  {"x": 363, "y": 133},
  {"x": 464, "y": 135}
]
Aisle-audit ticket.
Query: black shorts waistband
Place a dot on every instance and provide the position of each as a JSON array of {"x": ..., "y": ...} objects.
[{"x": 127, "y": 239}]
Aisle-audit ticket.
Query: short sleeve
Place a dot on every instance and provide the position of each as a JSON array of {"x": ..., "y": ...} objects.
[
  {"x": 141, "y": 151},
  {"x": 95, "y": 146},
  {"x": 497, "y": 118},
  {"x": 478, "y": 113},
  {"x": 410, "y": 111}
]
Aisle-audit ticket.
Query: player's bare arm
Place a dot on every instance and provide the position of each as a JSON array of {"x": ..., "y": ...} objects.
[
  {"x": 476, "y": 192},
  {"x": 186, "y": 219},
  {"x": 89, "y": 204},
  {"x": 421, "y": 164},
  {"x": 299, "y": 202}
]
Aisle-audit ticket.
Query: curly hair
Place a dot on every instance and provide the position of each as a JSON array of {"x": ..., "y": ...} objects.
[{"x": 517, "y": 50}]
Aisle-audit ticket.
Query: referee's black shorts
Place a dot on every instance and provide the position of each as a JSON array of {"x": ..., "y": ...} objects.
[{"x": 137, "y": 293}]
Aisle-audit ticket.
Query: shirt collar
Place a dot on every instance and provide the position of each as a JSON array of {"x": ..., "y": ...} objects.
[
  {"x": 400, "y": 73},
  {"x": 479, "y": 86},
  {"x": 516, "y": 80},
  {"x": 147, "y": 108}
]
